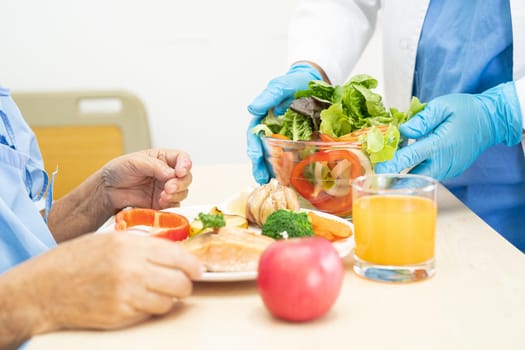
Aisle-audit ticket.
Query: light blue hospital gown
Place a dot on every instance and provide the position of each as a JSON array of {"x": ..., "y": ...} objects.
[{"x": 23, "y": 231}]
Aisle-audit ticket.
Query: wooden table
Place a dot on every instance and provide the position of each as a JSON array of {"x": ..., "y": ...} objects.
[{"x": 476, "y": 300}]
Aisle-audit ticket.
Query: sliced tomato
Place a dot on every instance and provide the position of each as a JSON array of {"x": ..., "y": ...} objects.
[
  {"x": 167, "y": 225},
  {"x": 339, "y": 205}
]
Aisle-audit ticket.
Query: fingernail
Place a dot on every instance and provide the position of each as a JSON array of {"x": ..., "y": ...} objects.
[{"x": 181, "y": 172}]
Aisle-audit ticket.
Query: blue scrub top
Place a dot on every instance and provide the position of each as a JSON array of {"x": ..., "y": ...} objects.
[
  {"x": 23, "y": 231},
  {"x": 466, "y": 46}
]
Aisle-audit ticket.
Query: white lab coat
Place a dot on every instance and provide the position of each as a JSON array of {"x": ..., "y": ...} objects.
[{"x": 334, "y": 33}]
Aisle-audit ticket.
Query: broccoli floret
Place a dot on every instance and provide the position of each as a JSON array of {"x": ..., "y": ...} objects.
[
  {"x": 212, "y": 220},
  {"x": 282, "y": 224}
]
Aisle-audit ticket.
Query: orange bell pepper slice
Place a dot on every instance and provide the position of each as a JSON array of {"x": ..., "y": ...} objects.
[{"x": 167, "y": 225}]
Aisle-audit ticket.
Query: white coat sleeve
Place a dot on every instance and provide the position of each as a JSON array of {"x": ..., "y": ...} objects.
[{"x": 331, "y": 33}]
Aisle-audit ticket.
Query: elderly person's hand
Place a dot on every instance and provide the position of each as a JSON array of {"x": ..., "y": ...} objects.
[
  {"x": 101, "y": 281},
  {"x": 453, "y": 130},
  {"x": 156, "y": 179}
]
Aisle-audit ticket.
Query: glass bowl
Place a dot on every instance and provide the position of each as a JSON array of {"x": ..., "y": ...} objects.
[{"x": 320, "y": 172}]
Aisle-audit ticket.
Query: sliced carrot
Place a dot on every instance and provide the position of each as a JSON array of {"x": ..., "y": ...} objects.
[
  {"x": 326, "y": 227},
  {"x": 354, "y": 135},
  {"x": 279, "y": 136},
  {"x": 327, "y": 138},
  {"x": 348, "y": 138},
  {"x": 325, "y": 234}
]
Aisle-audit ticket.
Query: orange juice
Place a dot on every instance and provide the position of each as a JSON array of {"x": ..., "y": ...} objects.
[{"x": 394, "y": 229}]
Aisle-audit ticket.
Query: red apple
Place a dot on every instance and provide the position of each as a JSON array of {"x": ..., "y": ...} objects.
[{"x": 299, "y": 279}]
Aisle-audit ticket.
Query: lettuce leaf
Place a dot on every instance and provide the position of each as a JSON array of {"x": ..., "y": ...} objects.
[
  {"x": 319, "y": 89},
  {"x": 269, "y": 125},
  {"x": 415, "y": 107},
  {"x": 381, "y": 147},
  {"x": 262, "y": 129},
  {"x": 354, "y": 105},
  {"x": 296, "y": 126},
  {"x": 363, "y": 79},
  {"x": 334, "y": 122},
  {"x": 374, "y": 105}
]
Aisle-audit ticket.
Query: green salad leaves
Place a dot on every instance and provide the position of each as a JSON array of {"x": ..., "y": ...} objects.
[{"x": 337, "y": 111}]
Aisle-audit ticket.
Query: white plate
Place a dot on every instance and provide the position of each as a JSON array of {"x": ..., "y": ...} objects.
[
  {"x": 228, "y": 276},
  {"x": 343, "y": 246}
]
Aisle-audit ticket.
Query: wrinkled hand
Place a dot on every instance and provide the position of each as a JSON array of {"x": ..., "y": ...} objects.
[
  {"x": 278, "y": 95},
  {"x": 453, "y": 130},
  {"x": 107, "y": 281},
  {"x": 157, "y": 179}
]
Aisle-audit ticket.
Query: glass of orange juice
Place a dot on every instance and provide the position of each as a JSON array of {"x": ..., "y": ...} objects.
[{"x": 394, "y": 218}]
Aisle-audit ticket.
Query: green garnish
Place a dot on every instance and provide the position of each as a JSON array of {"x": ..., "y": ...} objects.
[
  {"x": 213, "y": 221},
  {"x": 283, "y": 224}
]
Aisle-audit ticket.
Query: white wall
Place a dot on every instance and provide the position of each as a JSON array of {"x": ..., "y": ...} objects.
[{"x": 195, "y": 64}]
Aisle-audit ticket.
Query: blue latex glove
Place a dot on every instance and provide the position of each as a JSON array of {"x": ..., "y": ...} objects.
[
  {"x": 278, "y": 95},
  {"x": 453, "y": 130}
]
